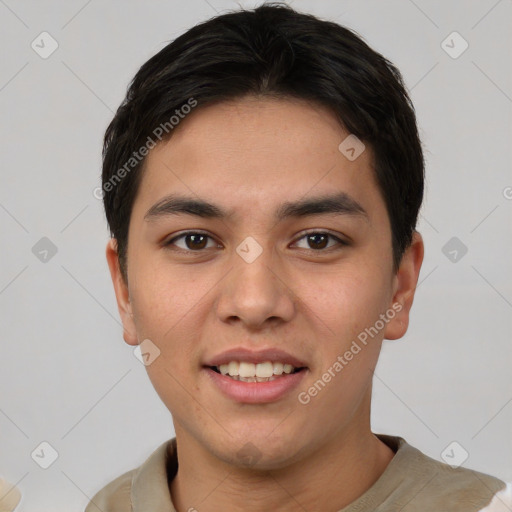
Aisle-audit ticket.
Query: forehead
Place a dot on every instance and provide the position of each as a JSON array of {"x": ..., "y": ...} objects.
[{"x": 257, "y": 153}]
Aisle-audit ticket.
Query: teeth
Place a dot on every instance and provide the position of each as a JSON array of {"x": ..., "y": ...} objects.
[
  {"x": 250, "y": 372},
  {"x": 247, "y": 370},
  {"x": 233, "y": 368},
  {"x": 287, "y": 368},
  {"x": 278, "y": 368},
  {"x": 264, "y": 369},
  {"x": 254, "y": 379}
]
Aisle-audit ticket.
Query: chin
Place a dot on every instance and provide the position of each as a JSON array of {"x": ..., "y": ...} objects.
[{"x": 260, "y": 452}]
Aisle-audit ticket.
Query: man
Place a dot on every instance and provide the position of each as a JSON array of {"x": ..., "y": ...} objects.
[{"x": 262, "y": 182}]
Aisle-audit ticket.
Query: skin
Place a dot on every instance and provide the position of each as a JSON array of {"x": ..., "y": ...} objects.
[{"x": 249, "y": 156}]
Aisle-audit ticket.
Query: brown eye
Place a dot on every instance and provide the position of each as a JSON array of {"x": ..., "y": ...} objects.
[
  {"x": 318, "y": 240},
  {"x": 191, "y": 241},
  {"x": 195, "y": 241}
]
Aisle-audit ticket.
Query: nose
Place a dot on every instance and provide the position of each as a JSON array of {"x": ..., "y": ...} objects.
[{"x": 256, "y": 294}]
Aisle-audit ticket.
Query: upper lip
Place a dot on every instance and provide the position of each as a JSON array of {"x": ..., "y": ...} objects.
[{"x": 254, "y": 356}]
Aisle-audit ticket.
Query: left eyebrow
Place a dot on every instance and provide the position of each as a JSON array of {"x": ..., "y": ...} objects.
[{"x": 340, "y": 203}]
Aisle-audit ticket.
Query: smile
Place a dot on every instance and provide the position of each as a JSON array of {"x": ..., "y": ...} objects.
[
  {"x": 253, "y": 389},
  {"x": 250, "y": 372}
]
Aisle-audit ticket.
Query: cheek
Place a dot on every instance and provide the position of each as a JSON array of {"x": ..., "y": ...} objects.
[
  {"x": 349, "y": 306},
  {"x": 349, "y": 301},
  {"x": 163, "y": 298},
  {"x": 171, "y": 305}
]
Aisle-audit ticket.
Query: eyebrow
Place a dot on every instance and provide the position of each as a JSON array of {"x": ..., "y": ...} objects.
[{"x": 339, "y": 203}]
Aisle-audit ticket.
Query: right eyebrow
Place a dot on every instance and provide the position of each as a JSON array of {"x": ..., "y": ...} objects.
[{"x": 173, "y": 205}]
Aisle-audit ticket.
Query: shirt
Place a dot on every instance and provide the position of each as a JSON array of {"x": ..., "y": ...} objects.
[
  {"x": 10, "y": 496},
  {"x": 411, "y": 482}
]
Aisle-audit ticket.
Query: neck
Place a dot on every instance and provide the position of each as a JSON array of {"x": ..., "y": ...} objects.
[{"x": 329, "y": 479}]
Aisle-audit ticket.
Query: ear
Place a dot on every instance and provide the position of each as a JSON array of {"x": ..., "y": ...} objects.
[
  {"x": 122, "y": 294},
  {"x": 404, "y": 286}
]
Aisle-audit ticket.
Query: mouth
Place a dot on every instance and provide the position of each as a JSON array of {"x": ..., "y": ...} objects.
[
  {"x": 266, "y": 371},
  {"x": 255, "y": 377},
  {"x": 255, "y": 382}
]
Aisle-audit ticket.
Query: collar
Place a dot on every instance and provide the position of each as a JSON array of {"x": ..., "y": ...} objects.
[{"x": 150, "y": 482}]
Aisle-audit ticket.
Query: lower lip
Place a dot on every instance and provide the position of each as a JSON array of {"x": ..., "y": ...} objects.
[{"x": 256, "y": 392}]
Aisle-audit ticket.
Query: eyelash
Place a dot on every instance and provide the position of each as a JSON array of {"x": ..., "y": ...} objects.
[{"x": 170, "y": 242}]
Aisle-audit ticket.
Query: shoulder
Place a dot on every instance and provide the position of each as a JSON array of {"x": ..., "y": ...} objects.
[
  {"x": 463, "y": 489},
  {"x": 115, "y": 496},
  {"x": 138, "y": 488},
  {"x": 423, "y": 483},
  {"x": 457, "y": 489},
  {"x": 502, "y": 501}
]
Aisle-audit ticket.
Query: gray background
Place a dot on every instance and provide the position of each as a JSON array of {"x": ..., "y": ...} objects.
[{"x": 67, "y": 377}]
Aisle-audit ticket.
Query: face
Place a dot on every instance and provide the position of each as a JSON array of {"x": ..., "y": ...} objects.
[{"x": 269, "y": 271}]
